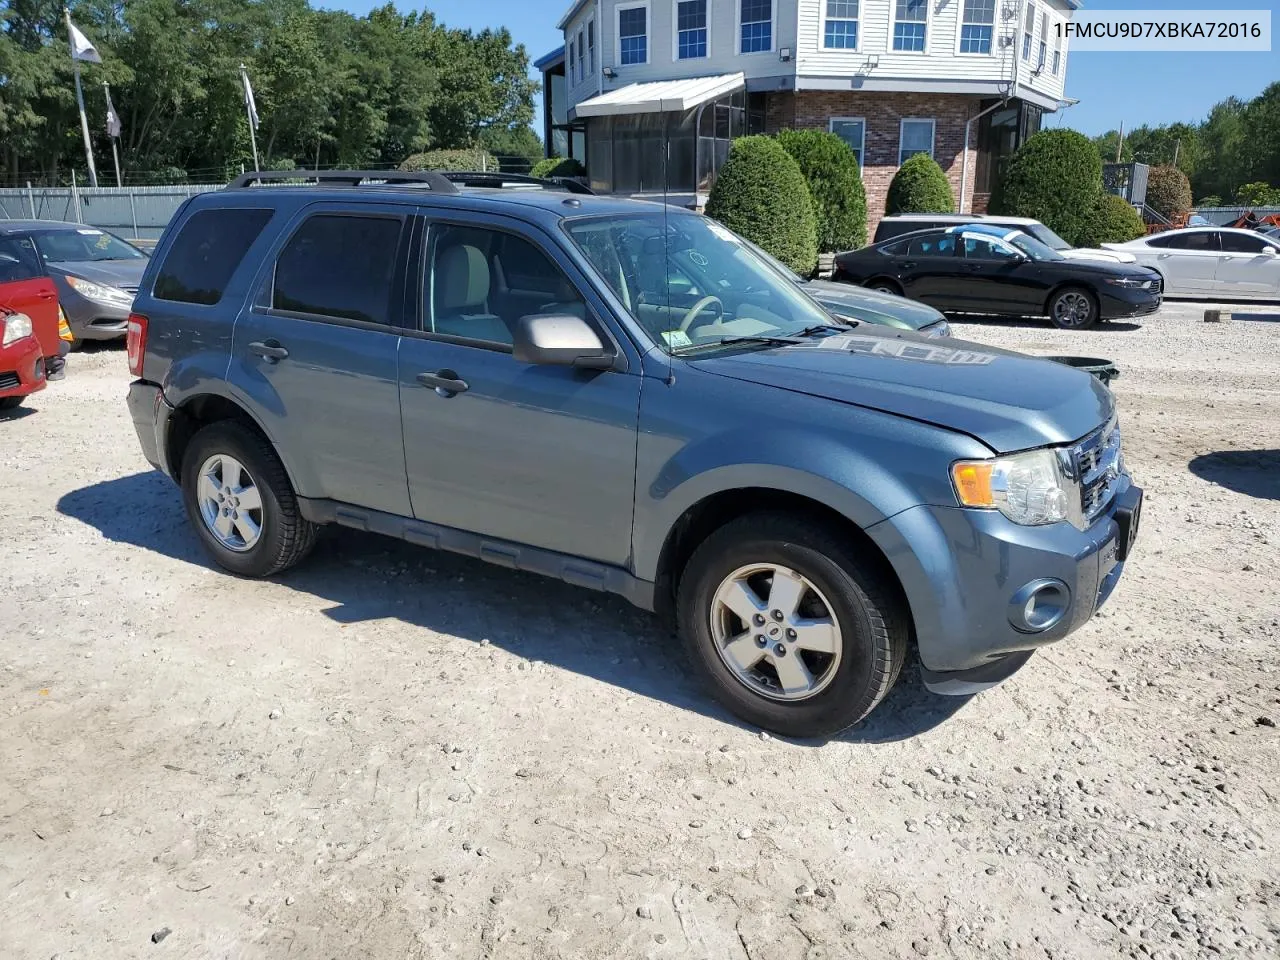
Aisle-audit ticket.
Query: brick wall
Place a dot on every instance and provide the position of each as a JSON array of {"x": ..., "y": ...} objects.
[{"x": 883, "y": 113}]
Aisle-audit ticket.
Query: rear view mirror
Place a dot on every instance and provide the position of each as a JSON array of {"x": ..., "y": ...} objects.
[{"x": 560, "y": 340}]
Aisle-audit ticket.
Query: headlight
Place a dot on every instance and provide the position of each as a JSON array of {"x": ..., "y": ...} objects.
[
  {"x": 1028, "y": 488},
  {"x": 1130, "y": 282},
  {"x": 16, "y": 326},
  {"x": 101, "y": 293}
]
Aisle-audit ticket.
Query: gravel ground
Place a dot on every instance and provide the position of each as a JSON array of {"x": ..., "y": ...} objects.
[{"x": 392, "y": 753}]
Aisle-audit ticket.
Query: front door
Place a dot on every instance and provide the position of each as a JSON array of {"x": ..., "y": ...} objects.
[
  {"x": 1249, "y": 266},
  {"x": 537, "y": 455},
  {"x": 995, "y": 278},
  {"x": 316, "y": 353},
  {"x": 25, "y": 288}
]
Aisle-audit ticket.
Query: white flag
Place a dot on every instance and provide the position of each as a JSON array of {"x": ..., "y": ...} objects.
[
  {"x": 248, "y": 97},
  {"x": 81, "y": 48},
  {"x": 113, "y": 118}
]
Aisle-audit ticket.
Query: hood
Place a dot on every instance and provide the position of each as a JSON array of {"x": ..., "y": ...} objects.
[
  {"x": 126, "y": 274},
  {"x": 1094, "y": 253},
  {"x": 871, "y": 305},
  {"x": 1007, "y": 400}
]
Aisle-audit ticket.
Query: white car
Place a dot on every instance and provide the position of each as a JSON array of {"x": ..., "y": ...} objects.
[
  {"x": 1211, "y": 263},
  {"x": 901, "y": 223}
]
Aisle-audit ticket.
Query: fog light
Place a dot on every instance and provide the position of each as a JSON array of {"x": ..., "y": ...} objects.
[{"x": 1039, "y": 606}]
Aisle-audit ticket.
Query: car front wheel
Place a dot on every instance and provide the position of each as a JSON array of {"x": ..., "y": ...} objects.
[
  {"x": 792, "y": 630},
  {"x": 1073, "y": 308}
]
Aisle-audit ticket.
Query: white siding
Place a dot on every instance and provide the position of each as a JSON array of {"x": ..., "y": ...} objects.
[
  {"x": 1046, "y": 82},
  {"x": 722, "y": 21},
  {"x": 584, "y": 85}
]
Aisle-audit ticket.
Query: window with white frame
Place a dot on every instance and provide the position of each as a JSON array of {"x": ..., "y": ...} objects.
[
  {"x": 582, "y": 54},
  {"x": 569, "y": 63},
  {"x": 915, "y": 136},
  {"x": 591, "y": 47},
  {"x": 691, "y": 29},
  {"x": 755, "y": 26},
  {"x": 853, "y": 131},
  {"x": 978, "y": 26},
  {"x": 633, "y": 34},
  {"x": 1041, "y": 60},
  {"x": 1057, "y": 52},
  {"x": 840, "y": 32},
  {"x": 910, "y": 22},
  {"x": 1028, "y": 28}
]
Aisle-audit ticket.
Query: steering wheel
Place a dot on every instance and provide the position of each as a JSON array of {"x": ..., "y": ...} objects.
[{"x": 697, "y": 308}]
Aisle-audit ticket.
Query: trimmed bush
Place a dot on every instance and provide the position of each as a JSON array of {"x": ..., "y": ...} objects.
[
  {"x": 761, "y": 194},
  {"x": 920, "y": 186},
  {"x": 1114, "y": 221},
  {"x": 1055, "y": 177},
  {"x": 558, "y": 167},
  {"x": 1169, "y": 192},
  {"x": 830, "y": 168},
  {"x": 466, "y": 160}
]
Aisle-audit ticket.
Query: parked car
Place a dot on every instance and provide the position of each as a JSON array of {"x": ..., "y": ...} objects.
[
  {"x": 870, "y": 306},
  {"x": 512, "y": 375},
  {"x": 981, "y": 268},
  {"x": 21, "y": 357},
  {"x": 1214, "y": 263},
  {"x": 30, "y": 348},
  {"x": 95, "y": 271},
  {"x": 899, "y": 224}
]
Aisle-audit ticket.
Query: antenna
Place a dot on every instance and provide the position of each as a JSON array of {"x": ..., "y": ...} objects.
[{"x": 666, "y": 233}]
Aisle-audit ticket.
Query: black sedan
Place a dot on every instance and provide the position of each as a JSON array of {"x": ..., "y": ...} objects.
[{"x": 995, "y": 270}]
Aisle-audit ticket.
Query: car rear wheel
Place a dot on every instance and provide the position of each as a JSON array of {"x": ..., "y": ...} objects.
[
  {"x": 885, "y": 286},
  {"x": 790, "y": 628},
  {"x": 1073, "y": 308},
  {"x": 241, "y": 503}
]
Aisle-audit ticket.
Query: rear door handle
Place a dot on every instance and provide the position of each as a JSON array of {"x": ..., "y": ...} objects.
[
  {"x": 908, "y": 264},
  {"x": 444, "y": 382},
  {"x": 270, "y": 350}
]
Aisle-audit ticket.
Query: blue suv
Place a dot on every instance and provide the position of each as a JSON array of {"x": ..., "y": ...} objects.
[{"x": 625, "y": 396}]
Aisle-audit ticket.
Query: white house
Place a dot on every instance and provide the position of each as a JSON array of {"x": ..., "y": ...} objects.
[{"x": 964, "y": 80}]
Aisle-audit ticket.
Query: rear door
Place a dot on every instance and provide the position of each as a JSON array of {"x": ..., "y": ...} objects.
[
  {"x": 26, "y": 288},
  {"x": 316, "y": 351},
  {"x": 930, "y": 270},
  {"x": 1188, "y": 260},
  {"x": 1249, "y": 266}
]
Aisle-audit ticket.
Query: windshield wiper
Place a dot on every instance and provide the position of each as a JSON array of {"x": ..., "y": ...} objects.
[
  {"x": 758, "y": 338},
  {"x": 820, "y": 327}
]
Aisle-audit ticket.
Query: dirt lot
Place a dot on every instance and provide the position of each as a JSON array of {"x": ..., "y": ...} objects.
[{"x": 391, "y": 753}]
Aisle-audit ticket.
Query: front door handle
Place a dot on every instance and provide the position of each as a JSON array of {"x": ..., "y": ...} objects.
[
  {"x": 269, "y": 350},
  {"x": 444, "y": 382},
  {"x": 48, "y": 296}
]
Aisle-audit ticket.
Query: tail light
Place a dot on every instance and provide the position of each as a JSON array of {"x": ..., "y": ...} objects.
[{"x": 136, "y": 342}]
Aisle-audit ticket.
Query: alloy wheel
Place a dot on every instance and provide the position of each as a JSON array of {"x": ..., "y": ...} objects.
[
  {"x": 230, "y": 503},
  {"x": 1072, "y": 309}
]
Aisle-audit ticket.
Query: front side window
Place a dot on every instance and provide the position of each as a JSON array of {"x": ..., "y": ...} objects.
[
  {"x": 633, "y": 35},
  {"x": 18, "y": 260},
  {"x": 206, "y": 252},
  {"x": 852, "y": 131},
  {"x": 84, "y": 243},
  {"x": 480, "y": 282},
  {"x": 339, "y": 266},
  {"x": 757, "y": 26},
  {"x": 691, "y": 283},
  {"x": 985, "y": 248},
  {"x": 1244, "y": 243},
  {"x": 840, "y": 31},
  {"x": 1034, "y": 248},
  {"x": 910, "y": 23},
  {"x": 691, "y": 29},
  {"x": 1028, "y": 28},
  {"x": 978, "y": 26},
  {"x": 916, "y": 137}
]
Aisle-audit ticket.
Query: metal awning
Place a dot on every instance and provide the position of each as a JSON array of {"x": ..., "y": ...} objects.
[{"x": 660, "y": 96}]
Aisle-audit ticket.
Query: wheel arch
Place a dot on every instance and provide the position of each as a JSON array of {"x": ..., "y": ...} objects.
[
  {"x": 1072, "y": 285},
  {"x": 199, "y": 411},
  {"x": 885, "y": 280}
]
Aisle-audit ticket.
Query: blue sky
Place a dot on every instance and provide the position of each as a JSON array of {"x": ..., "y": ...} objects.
[{"x": 1134, "y": 88}]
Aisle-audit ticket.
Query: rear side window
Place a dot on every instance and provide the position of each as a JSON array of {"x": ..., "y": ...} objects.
[
  {"x": 932, "y": 245},
  {"x": 206, "y": 253},
  {"x": 1199, "y": 240},
  {"x": 339, "y": 266}
]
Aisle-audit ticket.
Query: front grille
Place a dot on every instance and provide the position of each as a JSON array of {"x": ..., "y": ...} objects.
[
  {"x": 1099, "y": 464},
  {"x": 8, "y": 381}
]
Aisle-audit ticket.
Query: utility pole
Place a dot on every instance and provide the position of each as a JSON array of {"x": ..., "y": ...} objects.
[{"x": 1120, "y": 143}]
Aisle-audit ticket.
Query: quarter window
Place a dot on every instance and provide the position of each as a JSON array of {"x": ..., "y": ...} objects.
[
  {"x": 910, "y": 25},
  {"x": 633, "y": 35},
  {"x": 691, "y": 29},
  {"x": 206, "y": 252},
  {"x": 841, "y": 29},
  {"x": 852, "y": 131},
  {"x": 916, "y": 136},
  {"x": 978, "y": 26},
  {"x": 757, "y": 26},
  {"x": 339, "y": 266}
]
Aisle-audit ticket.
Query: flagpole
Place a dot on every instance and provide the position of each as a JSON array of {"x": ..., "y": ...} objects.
[
  {"x": 115, "y": 154},
  {"x": 84, "y": 120},
  {"x": 253, "y": 137}
]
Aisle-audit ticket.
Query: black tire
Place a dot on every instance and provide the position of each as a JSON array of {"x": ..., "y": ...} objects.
[
  {"x": 1071, "y": 319},
  {"x": 11, "y": 403},
  {"x": 286, "y": 535},
  {"x": 885, "y": 286},
  {"x": 872, "y": 619}
]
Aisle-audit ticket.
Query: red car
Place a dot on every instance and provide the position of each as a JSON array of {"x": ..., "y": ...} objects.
[{"x": 30, "y": 341}]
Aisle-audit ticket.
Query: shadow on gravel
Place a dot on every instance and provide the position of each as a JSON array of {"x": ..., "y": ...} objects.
[
  {"x": 363, "y": 577},
  {"x": 1255, "y": 473},
  {"x": 16, "y": 413},
  {"x": 1039, "y": 323}
]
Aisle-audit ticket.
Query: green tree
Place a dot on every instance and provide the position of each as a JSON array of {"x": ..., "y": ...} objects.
[
  {"x": 517, "y": 147},
  {"x": 1055, "y": 177},
  {"x": 484, "y": 82},
  {"x": 558, "y": 167},
  {"x": 1169, "y": 192},
  {"x": 761, "y": 194},
  {"x": 920, "y": 186},
  {"x": 1258, "y": 194},
  {"x": 830, "y": 168},
  {"x": 1114, "y": 221}
]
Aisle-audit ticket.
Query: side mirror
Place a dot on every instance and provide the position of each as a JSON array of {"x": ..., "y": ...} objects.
[{"x": 559, "y": 340}]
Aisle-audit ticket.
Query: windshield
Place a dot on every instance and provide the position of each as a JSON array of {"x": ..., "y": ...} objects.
[
  {"x": 1034, "y": 248},
  {"x": 84, "y": 243},
  {"x": 1047, "y": 237},
  {"x": 691, "y": 283}
]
